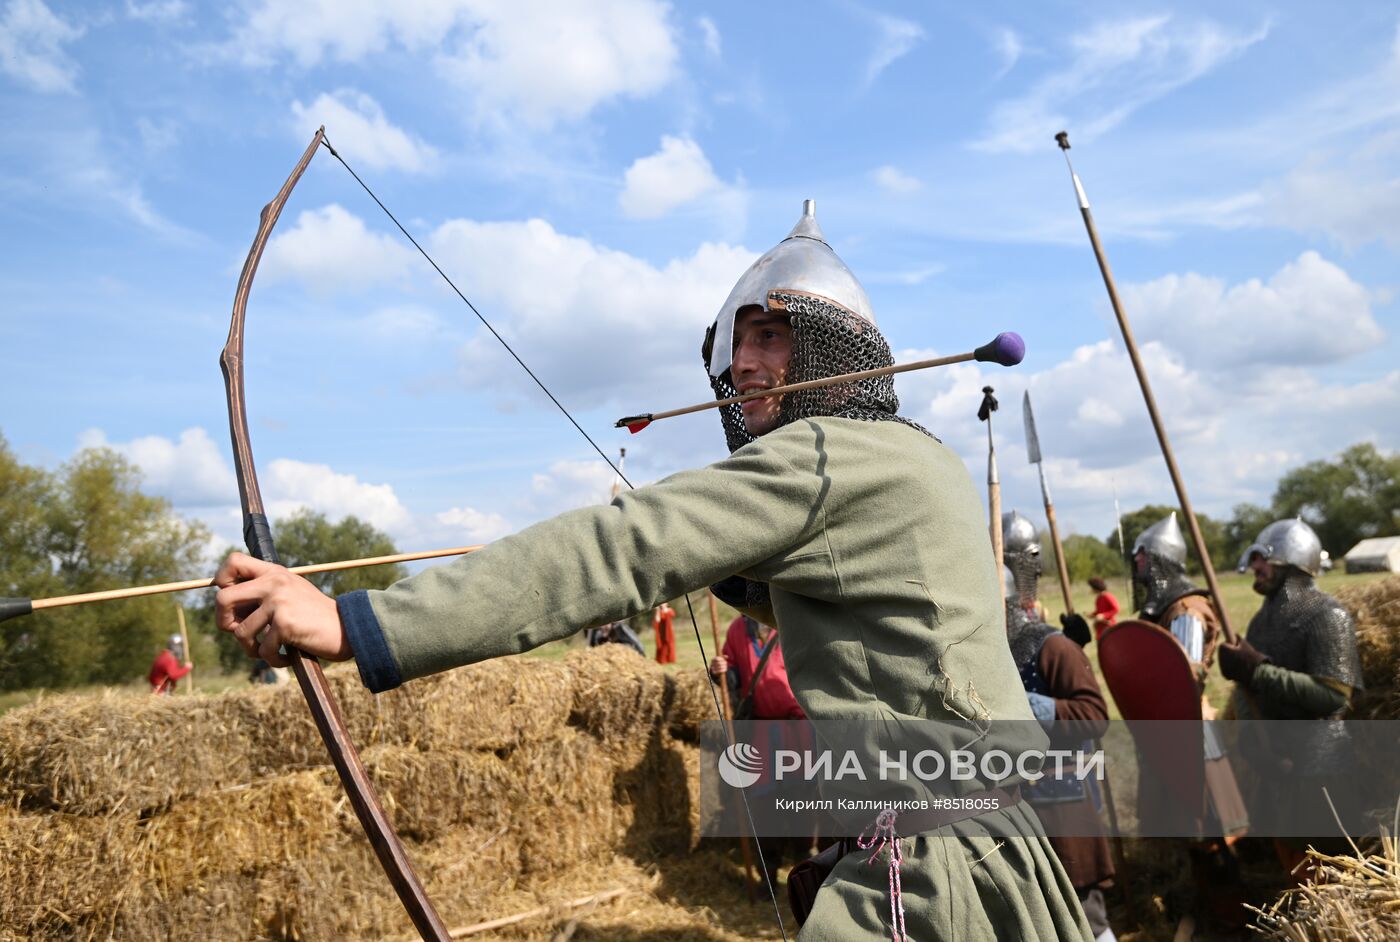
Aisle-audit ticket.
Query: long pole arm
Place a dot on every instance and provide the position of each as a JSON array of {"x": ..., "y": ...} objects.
[
  {"x": 1060, "y": 562},
  {"x": 1128, "y": 341}
]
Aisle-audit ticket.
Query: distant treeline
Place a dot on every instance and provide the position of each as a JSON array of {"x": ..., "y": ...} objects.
[
  {"x": 1346, "y": 500},
  {"x": 87, "y": 527}
]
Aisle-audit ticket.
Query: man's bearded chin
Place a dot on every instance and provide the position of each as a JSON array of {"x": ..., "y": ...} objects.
[{"x": 1268, "y": 585}]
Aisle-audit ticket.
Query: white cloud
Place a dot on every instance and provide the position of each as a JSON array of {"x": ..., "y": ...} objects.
[
  {"x": 31, "y": 47},
  {"x": 331, "y": 249},
  {"x": 534, "y": 62},
  {"x": 402, "y": 322},
  {"x": 599, "y": 325},
  {"x": 157, "y": 11},
  {"x": 677, "y": 174},
  {"x": 1309, "y": 312},
  {"x": 468, "y": 525},
  {"x": 894, "y": 180},
  {"x": 1009, "y": 49},
  {"x": 290, "y": 485},
  {"x": 357, "y": 125},
  {"x": 1114, "y": 68},
  {"x": 190, "y": 472},
  {"x": 157, "y": 136},
  {"x": 896, "y": 38},
  {"x": 570, "y": 484},
  {"x": 1355, "y": 201},
  {"x": 710, "y": 32}
]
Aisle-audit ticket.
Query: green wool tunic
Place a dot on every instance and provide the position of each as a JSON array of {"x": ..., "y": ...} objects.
[{"x": 872, "y": 540}]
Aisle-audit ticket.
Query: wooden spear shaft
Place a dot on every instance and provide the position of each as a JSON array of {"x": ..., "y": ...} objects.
[
  {"x": 1195, "y": 528},
  {"x": 1060, "y": 563},
  {"x": 185, "y": 643},
  {"x": 189, "y": 584},
  {"x": 729, "y": 727}
]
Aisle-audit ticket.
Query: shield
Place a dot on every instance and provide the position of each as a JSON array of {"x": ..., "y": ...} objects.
[{"x": 1151, "y": 680}]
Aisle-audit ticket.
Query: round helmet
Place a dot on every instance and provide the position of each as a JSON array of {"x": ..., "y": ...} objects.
[
  {"x": 1164, "y": 540},
  {"x": 1287, "y": 542},
  {"x": 176, "y": 640},
  {"x": 803, "y": 263},
  {"x": 833, "y": 334},
  {"x": 1018, "y": 534}
]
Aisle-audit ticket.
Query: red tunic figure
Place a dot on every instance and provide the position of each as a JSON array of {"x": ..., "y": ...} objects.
[
  {"x": 165, "y": 671},
  {"x": 662, "y": 623},
  {"x": 743, "y": 649},
  {"x": 1106, "y": 607}
]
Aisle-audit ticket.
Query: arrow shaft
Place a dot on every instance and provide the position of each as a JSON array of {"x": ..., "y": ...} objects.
[
  {"x": 187, "y": 585},
  {"x": 809, "y": 384}
]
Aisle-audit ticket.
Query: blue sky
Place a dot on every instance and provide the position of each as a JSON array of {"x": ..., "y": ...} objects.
[{"x": 595, "y": 177}]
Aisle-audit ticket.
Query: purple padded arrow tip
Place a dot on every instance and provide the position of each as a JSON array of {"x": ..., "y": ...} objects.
[{"x": 1006, "y": 348}]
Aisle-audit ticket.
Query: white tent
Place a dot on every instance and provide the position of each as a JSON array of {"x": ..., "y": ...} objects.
[{"x": 1378, "y": 554}]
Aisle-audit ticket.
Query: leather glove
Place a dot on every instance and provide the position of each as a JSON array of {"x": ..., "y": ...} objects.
[
  {"x": 1076, "y": 629},
  {"x": 1238, "y": 662}
]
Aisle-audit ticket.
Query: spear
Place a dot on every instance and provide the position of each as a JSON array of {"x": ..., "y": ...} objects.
[
  {"x": 1006, "y": 348},
  {"x": 729, "y": 728},
  {"x": 984, "y": 412},
  {"x": 1196, "y": 538},
  {"x": 1033, "y": 454},
  {"x": 185, "y": 645},
  {"x": 1122, "y": 550},
  {"x": 15, "y": 607},
  {"x": 617, "y": 479}
]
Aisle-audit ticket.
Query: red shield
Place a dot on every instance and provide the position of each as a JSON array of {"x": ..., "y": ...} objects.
[
  {"x": 1148, "y": 673},
  {"x": 1151, "y": 679}
]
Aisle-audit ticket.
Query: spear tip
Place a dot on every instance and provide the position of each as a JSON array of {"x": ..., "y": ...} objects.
[{"x": 1063, "y": 140}]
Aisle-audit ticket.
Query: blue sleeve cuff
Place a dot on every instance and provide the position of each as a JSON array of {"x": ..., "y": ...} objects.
[
  {"x": 1044, "y": 709},
  {"x": 378, "y": 671}
]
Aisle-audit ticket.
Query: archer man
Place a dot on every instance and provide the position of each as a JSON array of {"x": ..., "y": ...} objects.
[{"x": 854, "y": 530}]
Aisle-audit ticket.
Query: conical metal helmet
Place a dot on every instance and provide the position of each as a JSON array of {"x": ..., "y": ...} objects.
[
  {"x": 803, "y": 263},
  {"x": 1289, "y": 542},
  {"x": 1163, "y": 539},
  {"x": 1018, "y": 534}
]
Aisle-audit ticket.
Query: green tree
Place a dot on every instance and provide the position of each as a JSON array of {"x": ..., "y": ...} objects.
[
  {"x": 1245, "y": 522},
  {"x": 305, "y": 538},
  {"x": 1350, "y": 499},
  {"x": 1085, "y": 556},
  {"x": 1212, "y": 531},
  {"x": 94, "y": 529}
]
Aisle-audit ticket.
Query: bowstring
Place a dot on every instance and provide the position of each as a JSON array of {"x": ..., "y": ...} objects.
[{"x": 694, "y": 622}]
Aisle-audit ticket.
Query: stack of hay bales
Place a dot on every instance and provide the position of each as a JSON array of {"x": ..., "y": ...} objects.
[
  {"x": 1376, "y": 607},
  {"x": 220, "y": 817},
  {"x": 1355, "y": 897}
]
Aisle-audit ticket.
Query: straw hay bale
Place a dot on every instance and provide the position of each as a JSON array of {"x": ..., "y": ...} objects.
[
  {"x": 1376, "y": 607},
  {"x": 90, "y": 754},
  {"x": 220, "y": 817},
  {"x": 1349, "y": 897}
]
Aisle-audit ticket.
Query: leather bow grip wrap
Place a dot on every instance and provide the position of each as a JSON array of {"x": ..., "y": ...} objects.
[{"x": 257, "y": 535}]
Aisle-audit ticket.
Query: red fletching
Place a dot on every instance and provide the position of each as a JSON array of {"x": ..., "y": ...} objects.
[{"x": 635, "y": 427}]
